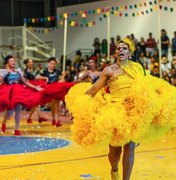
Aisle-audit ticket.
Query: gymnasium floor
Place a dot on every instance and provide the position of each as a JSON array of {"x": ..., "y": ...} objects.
[{"x": 69, "y": 161}]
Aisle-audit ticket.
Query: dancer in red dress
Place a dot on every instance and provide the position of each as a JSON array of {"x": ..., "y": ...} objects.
[
  {"x": 31, "y": 75},
  {"x": 16, "y": 91}
]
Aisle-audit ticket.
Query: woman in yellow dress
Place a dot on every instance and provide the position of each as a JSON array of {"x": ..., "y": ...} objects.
[
  {"x": 123, "y": 53},
  {"x": 134, "y": 110}
]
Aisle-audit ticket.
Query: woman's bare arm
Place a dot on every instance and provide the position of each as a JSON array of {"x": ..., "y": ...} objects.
[
  {"x": 1, "y": 80},
  {"x": 83, "y": 77},
  {"x": 101, "y": 82},
  {"x": 27, "y": 83}
]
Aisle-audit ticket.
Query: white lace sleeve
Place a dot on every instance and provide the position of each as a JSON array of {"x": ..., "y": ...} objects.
[{"x": 3, "y": 72}]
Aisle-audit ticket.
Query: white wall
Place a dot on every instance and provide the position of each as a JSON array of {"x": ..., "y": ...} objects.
[
  {"x": 82, "y": 37},
  {"x": 140, "y": 26}
]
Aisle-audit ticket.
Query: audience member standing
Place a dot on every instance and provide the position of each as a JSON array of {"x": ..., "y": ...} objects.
[
  {"x": 142, "y": 45},
  {"x": 97, "y": 45},
  {"x": 173, "y": 45},
  {"x": 112, "y": 46},
  {"x": 104, "y": 47},
  {"x": 164, "y": 43},
  {"x": 150, "y": 45}
]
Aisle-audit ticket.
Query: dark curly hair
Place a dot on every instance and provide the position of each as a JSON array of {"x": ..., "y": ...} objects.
[{"x": 6, "y": 59}]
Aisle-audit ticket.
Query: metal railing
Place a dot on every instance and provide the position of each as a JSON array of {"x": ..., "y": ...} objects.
[{"x": 22, "y": 43}]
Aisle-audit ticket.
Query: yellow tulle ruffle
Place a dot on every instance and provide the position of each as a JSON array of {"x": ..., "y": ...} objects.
[{"x": 145, "y": 114}]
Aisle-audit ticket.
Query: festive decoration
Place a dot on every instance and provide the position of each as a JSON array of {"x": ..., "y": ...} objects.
[
  {"x": 65, "y": 15},
  {"x": 133, "y": 10},
  {"x": 84, "y": 15}
]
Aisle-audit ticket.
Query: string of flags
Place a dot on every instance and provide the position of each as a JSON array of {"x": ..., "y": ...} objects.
[{"x": 81, "y": 20}]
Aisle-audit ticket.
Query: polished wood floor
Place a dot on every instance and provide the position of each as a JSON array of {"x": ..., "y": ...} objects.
[{"x": 153, "y": 161}]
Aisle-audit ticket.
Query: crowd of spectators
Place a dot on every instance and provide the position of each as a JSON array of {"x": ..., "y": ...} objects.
[{"x": 165, "y": 68}]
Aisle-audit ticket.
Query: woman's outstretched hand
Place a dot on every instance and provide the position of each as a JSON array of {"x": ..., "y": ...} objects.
[{"x": 38, "y": 88}]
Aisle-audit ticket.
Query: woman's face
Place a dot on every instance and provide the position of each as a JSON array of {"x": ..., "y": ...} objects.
[
  {"x": 11, "y": 63},
  {"x": 91, "y": 64},
  {"x": 122, "y": 52},
  {"x": 29, "y": 63}
]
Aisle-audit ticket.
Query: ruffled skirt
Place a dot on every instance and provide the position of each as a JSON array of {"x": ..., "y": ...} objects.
[
  {"x": 14, "y": 94},
  {"x": 38, "y": 82},
  {"x": 56, "y": 90},
  {"x": 145, "y": 114}
]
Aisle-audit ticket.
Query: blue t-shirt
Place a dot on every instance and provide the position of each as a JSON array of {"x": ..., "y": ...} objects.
[
  {"x": 52, "y": 76},
  {"x": 164, "y": 38}
]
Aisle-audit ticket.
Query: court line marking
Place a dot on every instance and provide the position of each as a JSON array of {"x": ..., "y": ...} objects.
[{"x": 77, "y": 159}]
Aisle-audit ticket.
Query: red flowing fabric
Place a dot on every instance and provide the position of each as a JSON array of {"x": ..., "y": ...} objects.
[
  {"x": 11, "y": 95},
  {"x": 38, "y": 82},
  {"x": 26, "y": 96},
  {"x": 56, "y": 90},
  {"x": 5, "y": 94}
]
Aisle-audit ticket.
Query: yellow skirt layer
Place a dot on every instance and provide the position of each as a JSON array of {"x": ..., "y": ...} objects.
[{"x": 145, "y": 114}]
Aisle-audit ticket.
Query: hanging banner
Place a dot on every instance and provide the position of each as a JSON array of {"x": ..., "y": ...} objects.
[{"x": 132, "y": 10}]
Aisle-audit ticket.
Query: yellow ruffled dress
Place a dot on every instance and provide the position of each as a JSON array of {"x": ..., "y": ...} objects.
[{"x": 139, "y": 108}]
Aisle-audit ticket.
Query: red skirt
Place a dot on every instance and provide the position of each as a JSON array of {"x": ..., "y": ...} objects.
[
  {"x": 38, "y": 82},
  {"x": 56, "y": 90},
  {"x": 14, "y": 94},
  {"x": 5, "y": 94},
  {"x": 26, "y": 96}
]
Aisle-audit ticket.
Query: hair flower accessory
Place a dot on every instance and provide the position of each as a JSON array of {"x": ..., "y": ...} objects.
[{"x": 130, "y": 43}]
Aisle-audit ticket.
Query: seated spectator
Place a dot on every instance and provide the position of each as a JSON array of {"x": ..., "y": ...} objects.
[
  {"x": 165, "y": 65},
  {"x": 173, "y": 63},
  {"x": 167, "y": 78},
  {"x": 155, "y": 71},
  {"x": 173, "y": 79},
  {"x": 152, "y": 63}
]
